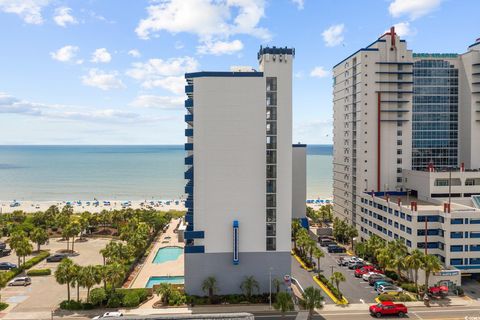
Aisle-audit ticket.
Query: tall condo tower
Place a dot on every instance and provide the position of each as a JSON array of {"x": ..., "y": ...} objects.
[{"x": 239, "y": 172}]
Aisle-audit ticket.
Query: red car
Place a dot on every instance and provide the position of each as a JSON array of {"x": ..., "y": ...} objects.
[
  {"x": 438, "y": 291},
  {"x": 361, "y": 271},
  {"x": 388, "y": 308}
]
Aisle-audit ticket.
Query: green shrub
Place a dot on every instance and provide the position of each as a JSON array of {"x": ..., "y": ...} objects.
[
  {"x": 3, "y": 306},
  {"x": 177, "y": 298},
  {"x": 402, "y": 297},
  {"x": 131, "y": 300},
  {"x": 460, "y": 292},
  {"x": 39, "y": 272},
  {"x": 71, "y": 305},
  {"x": 391, "y": 274},
  {"x": 409, "y": 287},
  {"x": 330, "y": 286},
  {"x": 114, "y": 301},
  {"x": 98, "y": 296},
  {"x": 142, "y": 293}
]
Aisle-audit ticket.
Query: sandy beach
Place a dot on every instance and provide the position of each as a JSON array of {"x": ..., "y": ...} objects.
[{"x": 92, "y": 206}]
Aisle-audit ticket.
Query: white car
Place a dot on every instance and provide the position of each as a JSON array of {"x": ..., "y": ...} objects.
[
  {"x": 389, "y": 289},
  {"x": 367, "y": 275},
  {"x": 112, "y": 314},
  {"x": 20, "y": 281}
]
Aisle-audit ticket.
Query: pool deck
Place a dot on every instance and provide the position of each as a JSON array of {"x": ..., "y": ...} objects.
[{"x": 168, "y": 268}]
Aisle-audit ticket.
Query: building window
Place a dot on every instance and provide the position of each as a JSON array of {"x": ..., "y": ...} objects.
[
  {"x": 456, "y": 262},
  {"x": 456, "y": 248},
  {"x": 271, "y": 244},
  {"x": 456, "y": 235},
  {"x": 271, "y": 215},
  {"x": 456, "y": 221},
  {"x": 271, "y": 230}
]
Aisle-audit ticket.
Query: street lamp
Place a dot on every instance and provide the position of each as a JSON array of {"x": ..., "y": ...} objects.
[{"x": 270, "y": 286}]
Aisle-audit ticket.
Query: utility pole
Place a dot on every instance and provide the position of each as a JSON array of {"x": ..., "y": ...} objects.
[{"x": 270, "y": 286}]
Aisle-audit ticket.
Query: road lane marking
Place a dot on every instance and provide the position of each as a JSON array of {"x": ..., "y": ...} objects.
[{"x": 362, "y": 301}]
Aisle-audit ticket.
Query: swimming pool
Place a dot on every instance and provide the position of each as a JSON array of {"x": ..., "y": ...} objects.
[
  {"x": 167, "y": 254},
  {"x": 164, "y": 279}
]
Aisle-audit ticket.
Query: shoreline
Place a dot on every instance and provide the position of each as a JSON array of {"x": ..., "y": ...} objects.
[{"x": 92, "y": 205}]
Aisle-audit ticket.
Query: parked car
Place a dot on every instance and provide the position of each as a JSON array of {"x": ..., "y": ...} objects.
[
  {"x": 5, "y": 252},
  {"x": 3, "y": 245},
  {"x": 356, "y": 265},
  {"x": 389, "y": 289},
  {"x": 438, "y": 291},
  {"x": 361, "y": 271},
  {"x": 7, "y": 265},
  {"x": 382, "y": 283},
  {"x": 326, "y": 242},
  {"x": 366, "y": 276},
  {"x": 376, "y": 277},
  {"x": 388, "y": 308},
  {"x": 343, "y": 261},
  {"x": 333, "y": 248},
  {"x": 112, "y": 314},
  {"x": 20, "y": 281},
  {"x": 57, "y": 257}
]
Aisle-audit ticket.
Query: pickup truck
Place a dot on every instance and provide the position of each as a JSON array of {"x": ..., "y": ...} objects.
[
  {"x": 388, "y": 308},
  {"x": 438, "y": 291}
]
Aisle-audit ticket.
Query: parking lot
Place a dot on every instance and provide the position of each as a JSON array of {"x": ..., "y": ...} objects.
[
  {"x": 44, "y": 294},
  {"x": 355, "y": 289}
]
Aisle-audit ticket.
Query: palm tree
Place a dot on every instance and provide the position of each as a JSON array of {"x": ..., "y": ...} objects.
[
  {"x": 431, "y": 264},
  {"x": 399, "y": 251},
  {"x": 277, "y": 283},
  {"x": 317, "y": 254},
  {"x": 283, "y": 302},
  {"x": 165, "y": 290},
  {"x": 74, "y": 228},
  {"x": 17, "y": 242},
  {"x": 414, "y": 261},
  {"x": 115, "y": 273},
  {"x": 209, "y": 286},
  {"x": 311, "y": 298},
  {"x": 89, "y": 276},
  {"x": 77, "y": 280},
  {"x": 336, "y": 278},
  {"x": 65, "y": 274},
  {"x": 248, "y": 285},
  {"x": 39, "y": 236},
  {"x": 351, "y": 233},
  {"x": 296, "y": 226},
  {"x": 384, "y": 258}
]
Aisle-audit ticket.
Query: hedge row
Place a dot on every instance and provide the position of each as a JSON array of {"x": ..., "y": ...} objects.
[
  {"x": 229, "y": 299},
  {"x": 39, "y": 272},
  {"x": 402, "y": 297},
  {"x": 330, "y": 286},
  {"x": 5, "y": 277}
]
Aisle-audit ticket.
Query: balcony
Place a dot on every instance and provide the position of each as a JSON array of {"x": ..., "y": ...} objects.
[
  {"x": 189, "y": 204},
  {"x": 189, "y": 103},
  {"x": 189, "y": 118},
  {"x": 189, "y": 160},
  {"x": 194, "y": 249},
  {"x": 189, "y": 218},
  {"x": 188, "y": 132},
  {"x": 189, "y": 188},
  {"x": 194, "y": 235},
  {"x": 189, "y": 89},
  {"x": 188, "y": 175},
  {"x": 188, "y": 146}
]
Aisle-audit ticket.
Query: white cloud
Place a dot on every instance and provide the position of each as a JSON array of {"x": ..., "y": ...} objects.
[
  {"x": 220, "y": 47},
  {"x": 167, "y": 74},
  {"x": 208, "y": 19},
  {"x": 413, "y": 8},
  {"x": 319, "y": 72},
  {"x": 317, "y": 131},
  {"x": 300, "y": 4},
  {"x": 65, "y": 54},
  {"x": 102, "y": 80},
  {"x": 160, "y": 102},
  {"x": 101, "y": 55},
  {"x": 63, "y": 16},
  {"x": 403, "y": 29},
  {"x": 333, "y": 36},
  {"x": 29, "y": 10},
  {"x": 134, "y": 53},
  {"x": 13, "y": 105}
]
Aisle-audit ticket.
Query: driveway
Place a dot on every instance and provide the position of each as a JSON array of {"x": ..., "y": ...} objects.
[{"x": 44, "y": 294}]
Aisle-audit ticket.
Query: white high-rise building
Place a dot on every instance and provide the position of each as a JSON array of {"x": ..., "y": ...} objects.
[
  {"x": 406, "y": 160},
  {"x": 239, "y": 173}
]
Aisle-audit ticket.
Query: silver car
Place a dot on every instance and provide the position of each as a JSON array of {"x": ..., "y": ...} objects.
[{"x": 20, "y": 281}]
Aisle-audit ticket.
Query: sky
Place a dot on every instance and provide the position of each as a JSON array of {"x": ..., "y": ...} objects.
[{"x": 111, "y": 71}]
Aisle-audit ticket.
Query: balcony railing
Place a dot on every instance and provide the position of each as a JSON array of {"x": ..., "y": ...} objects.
[
  {"x": 189, "y": 103},
  {"x": 194, "y": 235},
  {"x": 194, "y": 249},
  {"x": 188, "y": 146},
  {"x": 189, "y": 160},
  {"x": 188, "y": 132},
  {"x": 188, "y": 175},
  {"x": 189, "y": 218},
  {"x": 189, "y": 118},
  {"x": 189, "y": 188},
  {"x": 189, "y": 89}
]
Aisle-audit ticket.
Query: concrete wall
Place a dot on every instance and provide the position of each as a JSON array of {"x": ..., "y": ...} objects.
[{"x": 299, "y": 181}]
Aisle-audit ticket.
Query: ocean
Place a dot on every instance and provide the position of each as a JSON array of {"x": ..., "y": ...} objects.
[{"x": 67, "y": 173}]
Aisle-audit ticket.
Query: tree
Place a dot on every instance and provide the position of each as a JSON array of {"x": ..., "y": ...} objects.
[
  {"x": 283, "y": 302},
  {"x": 317, "y": 254},
  {"x": 400, "y": 251},
  {"x": 351, "y": 233},
  {"x": 296, "y": 226},
  {"x": 430, "y": 264},
  {"x": 84, "y": 220},
  {"x": 115, "y": 273},
  {"x": 22, "y": 246},
  {"x": 248, "y": 285},
  {"x": 336, "y": 278},
  {"x": 414, "y": 261},
  {"x": 89, "y": 276},
  {"x": 39, "y": 236},
  {"x": 73, "y": 229},
  {"x": 209, "y": 286},
  {"x": 311, "y": 298},
  {"x": 66, "y": 273},
  {"x": 116, "y": 251}
]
